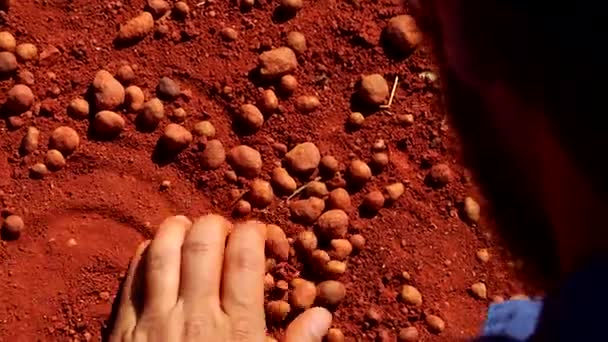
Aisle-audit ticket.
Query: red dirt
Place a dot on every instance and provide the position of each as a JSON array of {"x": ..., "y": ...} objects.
[{"x": 108, "y": 197}]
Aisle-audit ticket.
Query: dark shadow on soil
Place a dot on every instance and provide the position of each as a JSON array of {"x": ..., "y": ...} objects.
[
  {"x": 281, "y": 15},
  {"x": 391, "y": 51}
]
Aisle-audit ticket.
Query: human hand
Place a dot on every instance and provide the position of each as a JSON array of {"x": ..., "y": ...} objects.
[{"x": 187, "y": 284}]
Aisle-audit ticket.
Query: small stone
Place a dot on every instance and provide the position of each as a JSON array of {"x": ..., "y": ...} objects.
[
  {"x": 65, "y": 139},
  {"x": 168, "y": 88},
  {"x": 71, "y": 242},
  {"x": 333, "y": 223},
  {"x": 303, "y": 158},
  {"x": 288, "y": 84},
  {"x": 411, "y": 295},
  {"x": 373, "y": 315},
  {"x": 358, "y": 242},
  {"x": 30, "y": 141},
  {"x": 229, "y": 34},
  {"x": 19, "y": 99},
  {"x": 374, "y": 89},
  {"x": 303, "y": 295},
  {"x": 104, "y": 295},
  {"x": 108, "y": 124},
  {"x": 339, "y": 199},
  {"x": 181, "y": 9},
  {"x": 214, "y": 155},
  {"x": 166, "y": 184},
  {"x": 16, "y": 122},
  {"x": 380, "y": 160},
  {"x": 331, "y": 292},
  {"x": 54, "y": 160},
  {"x": 373, "y": 201},
  {"x": 7, "y": 41},
  {"x": 359, "y": 172},
  {"x": 134, "y": 98},
  {"x": 242, "y": 208},
  {"x": 394, "y": 191},
  {"x": 335, "y": 335},
  {"x": 8, "y": 62},
  {"x": 179, "y": 115},
  {"x": 439, "y": 175},
  {"x": 268, "y": 282},
  {"x": 316, "y": 189},
  {"x": 435, "y": 323},
  {"x": 403, "y": 34},
  {"x": 13, "y": 226},
  {"x": 307, "y": 103},
  {"x": 340, "y": 249},
  {"x": 405, "y": 119},
  {"x": 283, "y": 181},
  {"x": 277, "y": 244},
  {"x": 471, "y": 210},
  {"x": 245, "y": 160},
  {"x": 409, "y": 334},
  {"x": 277, "y": 310},
  {"x": 307, "y": 210},
  {"x": 26, "y": 77},
  {"x": 26, "y": 52},
  {"x": 335, "y": 268},
  {"x": 292, "y": 6},
  {"x": 269, "y": 101},
  {"x": 250, "y": 118},
  {"x": 330, "y": 164},
  {"x": 109, "y": 93},
  {"x": 277, "y": 62},
  {"x": 204, "y": 129},
  {"x": 38, "y": 171},
  {"x": 479, "y": 291},
  {"x": 78, "y": 108},
  {"x": 307, "y": 241},
  {"x": 406, "y": 276},
  {"x": 158, "y": 7},
  {"x": 176, "y": 138},
  {"x": 125, "y": 74},
  {"x": 152, "y": 112},
  {"x": 483, "y": 255},
  {"x": 356, "y": 119},
  {"x": 297, "y": 42},
  {"x": 261, "y": 194}
]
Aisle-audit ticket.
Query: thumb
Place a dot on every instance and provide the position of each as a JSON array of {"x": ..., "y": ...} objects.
[{"x": 309, "y": 326}]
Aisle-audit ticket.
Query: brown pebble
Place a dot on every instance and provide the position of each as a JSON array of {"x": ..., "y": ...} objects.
[
  {"x": 409, "y": 334},
  {"x": 268, "y": 102},
  {"x": 335, "y": 335},
  {"x": 64, "y": 139},
  {"x": 373, "y": 201},
  {"x": 331, "y": 292},
  {"x": 329, "y": 164},
  {"x": 358, "y": 172},
  {"x": 340, "y": 249},
  {"x": 479, "y": 291},
  {"x": 13, "y": 226},
  {"x": 439, "y": 176},
  {"x": 411, "y": 295},
  {"x": 229, "y": 34},
  {"x": 38, "y": 171},
  {"x": 373, "y": 315},
  {"x": 471, "y": 210},
  {"x": 435, "y": 323},
  {"x": 339, "y": 199},
  {"x": 54, "y": 160},
  {"x": 176, "y": 138},
  {"x": 303, "y": 295},
  {"x": 358, "y": 242},
  {"x": 276, "y": 242},
  {"x": 213, "y": 155},
  {"x": 316, "y": 189},
  {"x": 277, "y": 310},
  {"x": 483, "y": 255},
  {"x": 260, "y": 195},
  {"x": 307, "y": 241},
  {"x": 288, "y": 84},
  {"x": 307, "y": 210},
  {"x": 242, "y": 208},
  {"x": 333, "y": 223},
  {"x": 394, "y": 191}
]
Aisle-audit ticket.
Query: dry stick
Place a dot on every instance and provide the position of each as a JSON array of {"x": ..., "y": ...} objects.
[
  {"x": 300, "y": 189},
  {"x": 390, "y": 99}
]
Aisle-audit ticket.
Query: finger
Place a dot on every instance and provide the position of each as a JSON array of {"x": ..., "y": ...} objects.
[
  {"x": 202, "y": 261},
  {"x": 126, "y": 316},
  {"x": 310, "y": 326},
  {"x": 163, "y": 261},
  {"x": 243, "y": 281}
]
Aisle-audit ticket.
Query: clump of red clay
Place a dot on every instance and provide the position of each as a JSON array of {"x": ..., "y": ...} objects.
[{"x": 83, "y": 223}]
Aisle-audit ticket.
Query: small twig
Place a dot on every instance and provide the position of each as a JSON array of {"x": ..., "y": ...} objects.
[
  {"x": 390, "y": 99},
  {"x": 201, "y": 4},
  {"x": 238, "y": 199},
  {"x": 300, "y": 189}
]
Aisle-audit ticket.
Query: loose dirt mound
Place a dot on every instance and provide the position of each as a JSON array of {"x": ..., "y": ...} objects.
[{"x": 82, "y": 223}]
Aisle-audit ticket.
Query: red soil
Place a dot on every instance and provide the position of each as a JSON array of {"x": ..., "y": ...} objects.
[{"x": 108, "y": 197}]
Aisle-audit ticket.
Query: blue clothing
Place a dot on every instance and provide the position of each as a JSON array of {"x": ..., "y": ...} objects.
[{"x": 573, "y": 312}]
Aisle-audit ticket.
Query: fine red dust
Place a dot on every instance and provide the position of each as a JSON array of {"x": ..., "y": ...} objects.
[{"x": 82, "y": 224}]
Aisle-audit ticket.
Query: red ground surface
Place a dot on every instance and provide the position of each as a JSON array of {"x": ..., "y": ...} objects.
[{"x": 108, "y": 197}]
